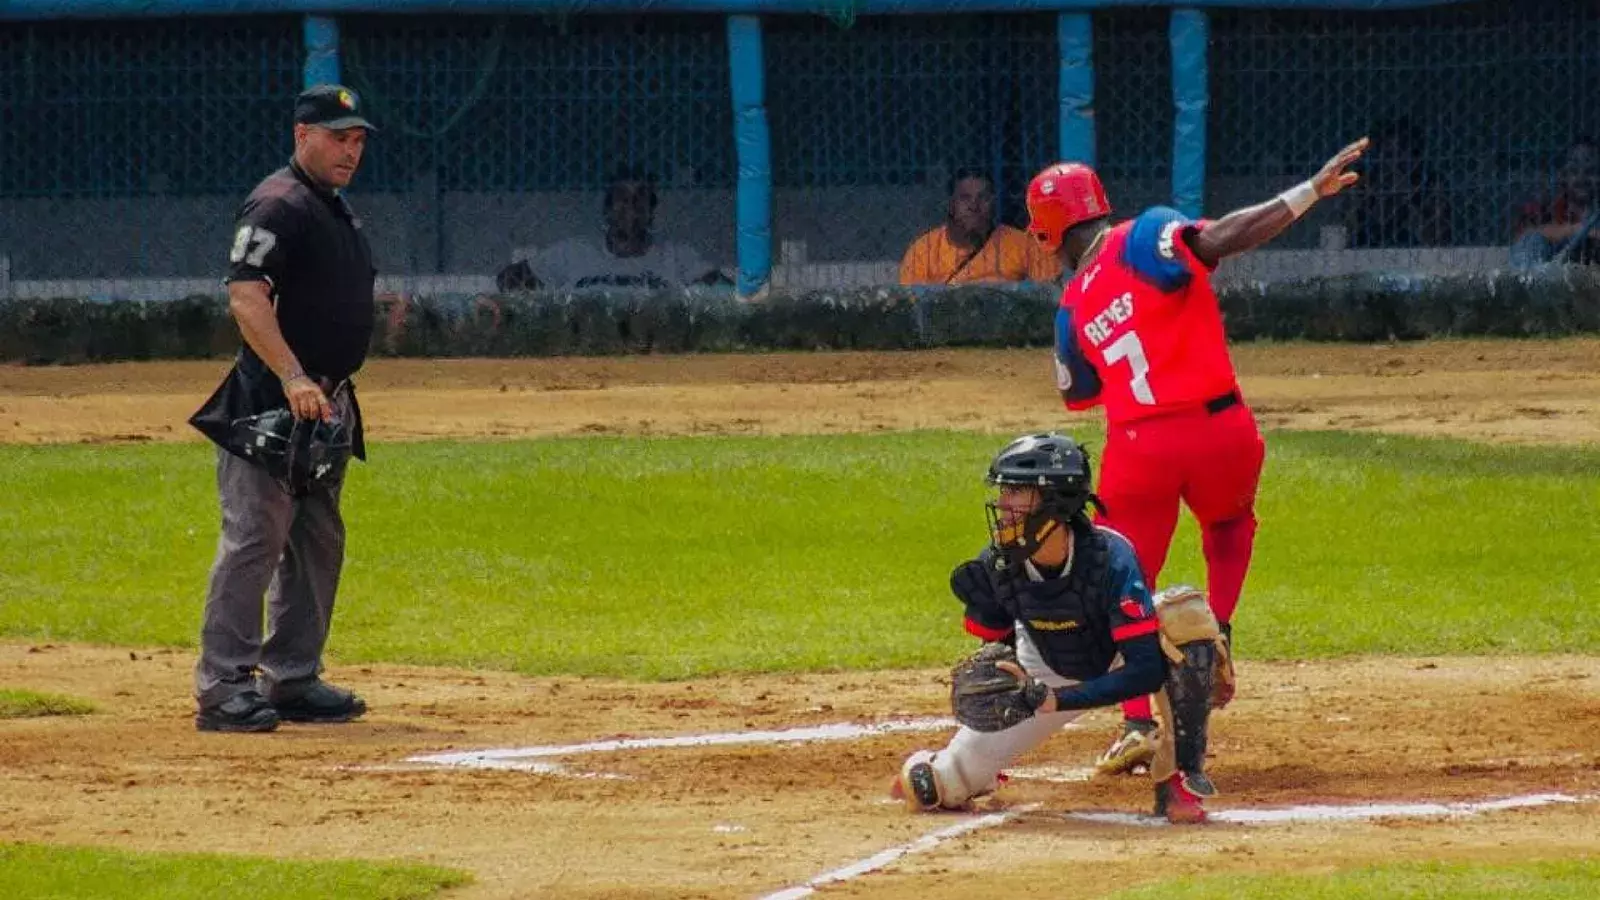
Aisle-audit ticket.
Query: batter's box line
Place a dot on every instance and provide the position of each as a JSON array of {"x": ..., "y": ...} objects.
[
  {"x": 536, "y": 759},
  {"x": 1258, "y": 816}
]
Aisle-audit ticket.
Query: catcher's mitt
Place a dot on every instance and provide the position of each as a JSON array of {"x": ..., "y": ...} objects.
[{"x": 986, "y": 697}]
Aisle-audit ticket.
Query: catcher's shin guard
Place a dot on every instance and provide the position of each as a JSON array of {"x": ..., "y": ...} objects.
[
  {"x": 1189, "y": 686},
  {"x": 917, "y": 785}
]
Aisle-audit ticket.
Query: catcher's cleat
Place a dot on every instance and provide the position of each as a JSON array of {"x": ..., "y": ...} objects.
[
  {"x": 1181, "y": 798},
  {"x": 1132, "y": 750},
  {"x": 917, "y": 785}
]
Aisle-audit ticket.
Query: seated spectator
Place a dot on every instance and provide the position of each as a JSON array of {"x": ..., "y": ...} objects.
[
  {"x": 970, "y": 247},
  {"x": 629, "y": 256},
  {"x": 516, "y": 277},
  {"x": 1563, "y": 229},
  {"x": 1398, "y": 201}
]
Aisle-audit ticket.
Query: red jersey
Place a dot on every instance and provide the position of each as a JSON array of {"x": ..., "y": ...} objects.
[{"x": 1139, "y": 329}]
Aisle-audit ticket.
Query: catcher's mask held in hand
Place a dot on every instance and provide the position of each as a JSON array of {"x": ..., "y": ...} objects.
[
  {"x": 300, "y": 454},
  {"x": 1042, "y": 482}
]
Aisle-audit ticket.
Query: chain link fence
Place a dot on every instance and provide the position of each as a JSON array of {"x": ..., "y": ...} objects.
[
  {"x": 1133, "y": 108},
  {"x": 126, "y": 146},
  {"x": 499, "y": 135},
  {"x": 1471, "y": 109},
  {"x": 871, "y": 118}
]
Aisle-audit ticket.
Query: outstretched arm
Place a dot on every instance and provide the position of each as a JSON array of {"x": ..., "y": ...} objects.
[{"x": 1253, "y": 226}]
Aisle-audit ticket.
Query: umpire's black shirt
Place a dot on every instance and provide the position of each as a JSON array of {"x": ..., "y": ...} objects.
[{"x": 307, "y": 245}]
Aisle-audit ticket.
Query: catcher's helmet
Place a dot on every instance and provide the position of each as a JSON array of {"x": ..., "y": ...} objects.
[
  {"x": 1058, "y": 468},
  {"x": 297, "y": 453},
  {"x": 1060, "y": 197}
]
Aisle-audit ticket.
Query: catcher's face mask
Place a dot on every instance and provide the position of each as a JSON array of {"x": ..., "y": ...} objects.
[{"x": 1020, "y": 521}]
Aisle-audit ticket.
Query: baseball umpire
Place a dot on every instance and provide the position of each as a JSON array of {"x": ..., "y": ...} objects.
[
  {"x": 285, "y": 419},
  {"x": 1059, "y": 602}
]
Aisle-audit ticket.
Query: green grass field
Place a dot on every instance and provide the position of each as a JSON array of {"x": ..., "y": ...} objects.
[
  {"x": 1557, "y": 880},
  {"x": 665, "y": 558},
  {"x": 31, "y": 704},
  {"x": 33, "y": 872}
]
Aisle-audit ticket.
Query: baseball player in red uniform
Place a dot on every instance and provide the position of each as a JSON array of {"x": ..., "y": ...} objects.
[{"x": 1139, "y": 332}]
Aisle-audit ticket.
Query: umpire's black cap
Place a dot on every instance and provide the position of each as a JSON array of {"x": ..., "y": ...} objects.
[{"x": 332, "y": 106}]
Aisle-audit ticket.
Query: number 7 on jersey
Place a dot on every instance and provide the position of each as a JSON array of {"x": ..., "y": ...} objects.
[{"x": 1129, "y": 348}]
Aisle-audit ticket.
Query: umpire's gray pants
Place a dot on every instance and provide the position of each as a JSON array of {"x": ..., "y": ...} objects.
[{"x": 288, "y": 549}]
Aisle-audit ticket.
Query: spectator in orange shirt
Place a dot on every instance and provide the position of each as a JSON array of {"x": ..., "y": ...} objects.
[{"x": 970, "y": 247}]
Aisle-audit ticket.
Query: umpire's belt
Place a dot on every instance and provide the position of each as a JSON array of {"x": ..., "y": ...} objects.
[
  {"x": 330, "y": 388},
  {"x": 1218, "y": 404}
]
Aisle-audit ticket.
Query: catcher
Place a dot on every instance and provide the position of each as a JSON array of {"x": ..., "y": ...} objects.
[{"x": 1068, "y": 625}]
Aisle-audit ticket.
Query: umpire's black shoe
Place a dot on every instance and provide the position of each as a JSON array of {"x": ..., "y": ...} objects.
[
  {"x": 246, "y": 711},
  {"x": 321, "y": 702}
]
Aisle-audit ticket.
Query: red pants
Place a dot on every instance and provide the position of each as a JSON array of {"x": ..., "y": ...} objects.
[{"x": 1209, "y": 461}]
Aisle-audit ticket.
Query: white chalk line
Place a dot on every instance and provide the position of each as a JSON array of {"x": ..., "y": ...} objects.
[
  {"x": 526, "y": 759},
  {"x": 1263, "y": 816},
  {"x": 1052, "y": 774},
  {"x": 1346, "y": 813},
  {"x": 523, "y": 759},
  {"x": 884, "y": 858}
]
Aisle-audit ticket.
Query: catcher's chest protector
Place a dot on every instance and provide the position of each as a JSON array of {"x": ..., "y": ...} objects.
[{"x": 1068, "y": 618}]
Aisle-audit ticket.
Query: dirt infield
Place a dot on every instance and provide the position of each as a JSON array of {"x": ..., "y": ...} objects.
[
  {"x": 747, "y": 819},
  {"x": 1544, "y": 392}
]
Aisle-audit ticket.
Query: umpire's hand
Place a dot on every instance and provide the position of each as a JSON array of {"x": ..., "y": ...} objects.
[{"x": 306, "y": 399}]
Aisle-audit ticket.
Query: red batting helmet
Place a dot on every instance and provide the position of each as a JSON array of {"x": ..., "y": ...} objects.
[{"x": 1063, "y": 196}]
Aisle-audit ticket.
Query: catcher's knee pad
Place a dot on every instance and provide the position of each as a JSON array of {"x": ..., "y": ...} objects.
[
  {"x": 918, "y": 784},
  {"x": 1187, "y": 621},
  {"x": 924, "y": 788}
]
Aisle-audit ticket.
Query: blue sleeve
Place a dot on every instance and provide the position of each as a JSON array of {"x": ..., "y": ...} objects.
[
  {"x": 1152, "y": 248},
  {"x": 1132, "y": 610},
  {"x": 1144, "y": 670},
  {"x": 1078, "y": 381}
]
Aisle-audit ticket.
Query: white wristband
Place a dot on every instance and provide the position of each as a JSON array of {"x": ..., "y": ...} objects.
[{"x": 1300, "y": 198}]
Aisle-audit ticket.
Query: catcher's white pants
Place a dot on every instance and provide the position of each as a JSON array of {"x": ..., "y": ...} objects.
[{"x": 969, "y": 765}]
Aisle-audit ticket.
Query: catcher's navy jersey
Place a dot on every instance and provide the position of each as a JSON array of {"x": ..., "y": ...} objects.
[{"x": 1079, "y": 619}]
